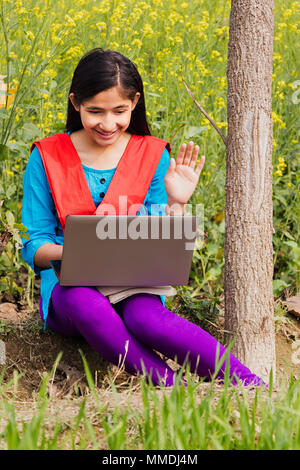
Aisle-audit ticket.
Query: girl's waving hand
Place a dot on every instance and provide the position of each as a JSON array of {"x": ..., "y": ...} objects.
[{"x": 182, "y": 176}]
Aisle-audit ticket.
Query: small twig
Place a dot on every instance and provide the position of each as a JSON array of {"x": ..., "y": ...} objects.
[
  {"x": 205, "y": 114},
  {"x": 177, "y": 130},
  {"x": 217, "y": 327}
]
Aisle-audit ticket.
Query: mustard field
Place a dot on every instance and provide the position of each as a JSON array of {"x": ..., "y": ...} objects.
[{"x": 41, "y": 43}]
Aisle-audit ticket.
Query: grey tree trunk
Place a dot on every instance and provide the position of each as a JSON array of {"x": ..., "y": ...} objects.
[{"x": 249, "y": 312}]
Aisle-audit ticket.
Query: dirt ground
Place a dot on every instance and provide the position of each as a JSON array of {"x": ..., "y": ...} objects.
[{"x": 32, "y": 351}]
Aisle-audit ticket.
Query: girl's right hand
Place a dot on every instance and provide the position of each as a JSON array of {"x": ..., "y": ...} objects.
[{"x": 183, "y": 175}]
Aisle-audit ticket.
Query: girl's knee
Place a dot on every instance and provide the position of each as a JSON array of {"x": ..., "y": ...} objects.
[
  {"x": 79, "y": 301},
  {"x": 139, "y": 311}
]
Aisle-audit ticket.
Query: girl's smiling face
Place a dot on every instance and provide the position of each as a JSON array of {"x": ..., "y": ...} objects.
[{"x": 106, "y": 115}]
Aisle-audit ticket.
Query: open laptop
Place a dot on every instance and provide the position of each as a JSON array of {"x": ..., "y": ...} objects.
[{"x": 122, "y": 250}]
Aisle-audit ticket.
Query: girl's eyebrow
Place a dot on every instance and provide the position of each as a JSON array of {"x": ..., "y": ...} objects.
[{"x": 101, "y": 109}]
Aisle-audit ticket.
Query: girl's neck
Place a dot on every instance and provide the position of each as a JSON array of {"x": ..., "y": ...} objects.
[{"x": 96, "y": 156}]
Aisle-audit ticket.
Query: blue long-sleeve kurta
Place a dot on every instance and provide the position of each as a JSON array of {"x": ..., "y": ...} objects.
[{"x": 40, "y": 217}]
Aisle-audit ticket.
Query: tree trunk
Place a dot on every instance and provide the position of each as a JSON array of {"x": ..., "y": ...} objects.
[{"x": 249, "y": 314}]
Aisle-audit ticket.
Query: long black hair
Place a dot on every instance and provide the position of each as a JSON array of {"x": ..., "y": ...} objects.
[{"x": 99, "y": 70}]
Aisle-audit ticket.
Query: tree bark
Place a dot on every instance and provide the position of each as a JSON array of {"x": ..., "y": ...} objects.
[{"x": 249, "y": 309}]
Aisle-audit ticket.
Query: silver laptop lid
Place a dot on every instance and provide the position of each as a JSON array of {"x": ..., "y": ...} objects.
[{"x": 123, "y": 250}]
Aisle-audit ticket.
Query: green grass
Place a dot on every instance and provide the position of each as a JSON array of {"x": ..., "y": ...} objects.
[{"x": 201, "y": 416}]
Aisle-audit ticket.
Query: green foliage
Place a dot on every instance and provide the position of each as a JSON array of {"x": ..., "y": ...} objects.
[{"x": 37, "y": 67}]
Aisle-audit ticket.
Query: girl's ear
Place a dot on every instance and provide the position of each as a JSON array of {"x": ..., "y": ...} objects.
[
  {"x": 72, "y": 99},
  {"x": 135, "y": 100}
]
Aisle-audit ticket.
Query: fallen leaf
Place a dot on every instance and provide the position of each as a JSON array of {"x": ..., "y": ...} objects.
[
  {"x": 9, "y": 311},
  {"x": 293, "y": 305}
]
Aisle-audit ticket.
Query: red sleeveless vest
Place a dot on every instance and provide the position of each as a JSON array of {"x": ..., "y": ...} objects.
[{"x": 69, "y": 186}]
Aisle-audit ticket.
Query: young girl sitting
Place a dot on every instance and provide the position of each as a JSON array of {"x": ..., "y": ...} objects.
[{"x": 107, "y": 151}]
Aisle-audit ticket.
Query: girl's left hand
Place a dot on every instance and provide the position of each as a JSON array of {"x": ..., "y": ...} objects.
[{"x": 182, "y": 177}]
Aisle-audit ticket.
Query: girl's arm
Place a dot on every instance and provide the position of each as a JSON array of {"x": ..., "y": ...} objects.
[
  {"x": 46, "y": 253},
  {"x": 38, "y": 215},
  {"x": 165, "y": 198},
  {"x": 175, "y": 208}
]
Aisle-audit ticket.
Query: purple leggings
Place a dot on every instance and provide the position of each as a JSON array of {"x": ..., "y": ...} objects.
[{"x": 140, "y": 324}]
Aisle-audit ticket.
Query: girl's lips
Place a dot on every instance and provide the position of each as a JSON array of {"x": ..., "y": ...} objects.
[{"x": 106, "y": 136}]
